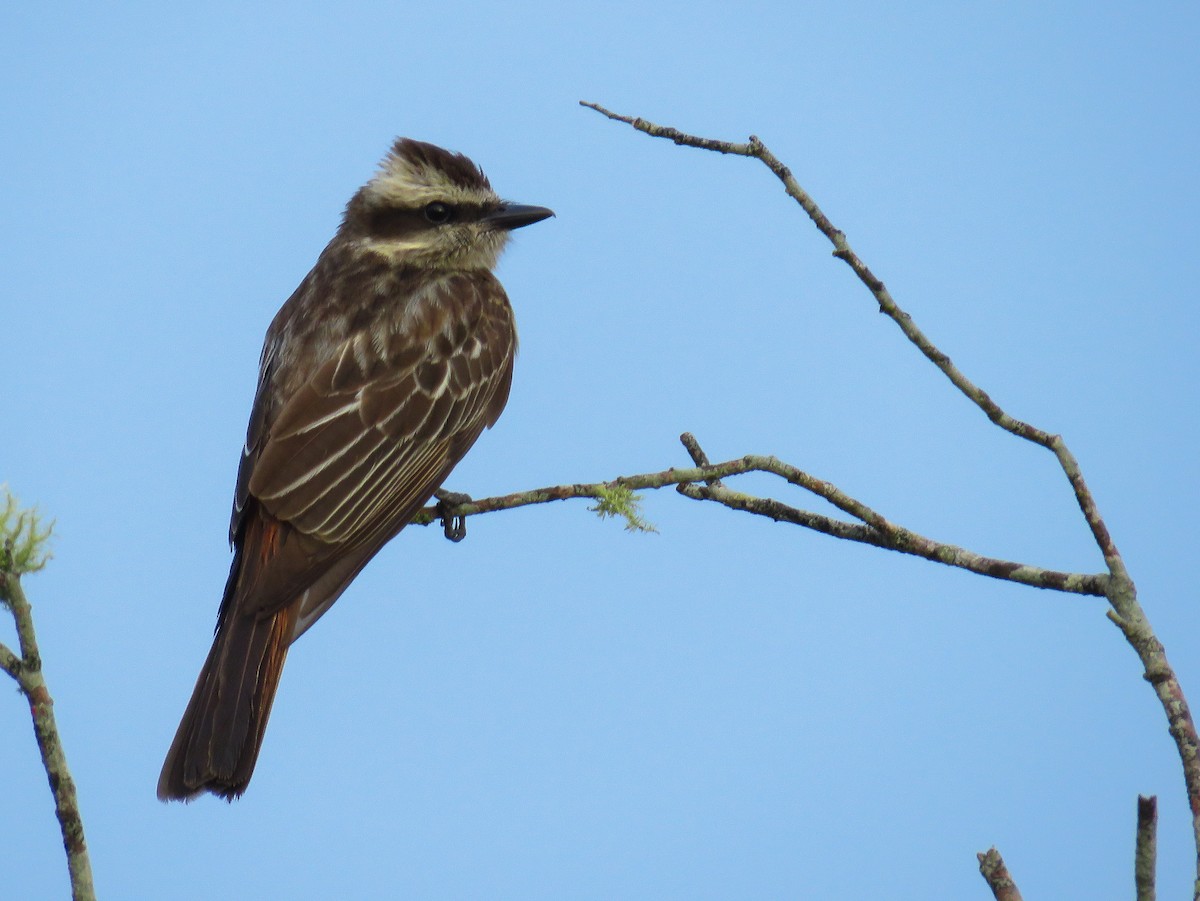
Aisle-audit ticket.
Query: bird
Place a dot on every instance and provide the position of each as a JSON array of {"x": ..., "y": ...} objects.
[{"x": 376, "y": 376}]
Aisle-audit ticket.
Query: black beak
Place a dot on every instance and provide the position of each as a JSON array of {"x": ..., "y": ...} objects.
[{"x": 515, "y": 215}]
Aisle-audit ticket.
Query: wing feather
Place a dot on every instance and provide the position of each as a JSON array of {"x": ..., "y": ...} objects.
[{"x": 370, "y": 435}]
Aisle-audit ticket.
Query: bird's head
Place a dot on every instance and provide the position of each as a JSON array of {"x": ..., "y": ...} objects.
[{"x": 432, "y": 208}]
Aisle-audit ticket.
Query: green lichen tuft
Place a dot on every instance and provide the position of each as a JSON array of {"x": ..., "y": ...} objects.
[
  {"x": 24, "y": 540},
  {"x": 616, "y": 500}
]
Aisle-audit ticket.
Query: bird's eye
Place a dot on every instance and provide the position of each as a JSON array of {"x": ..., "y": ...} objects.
[{"x": 439, "y": 213}]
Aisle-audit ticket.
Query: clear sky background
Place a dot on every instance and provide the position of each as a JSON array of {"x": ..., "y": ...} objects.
[{"x": 555, "y": 708}]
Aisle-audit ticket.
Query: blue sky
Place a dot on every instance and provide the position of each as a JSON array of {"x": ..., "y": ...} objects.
[{"x": 555, "y": 708}]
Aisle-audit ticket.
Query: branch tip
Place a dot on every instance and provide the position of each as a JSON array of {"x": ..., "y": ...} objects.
[
  {"x": 995, "y": 873},
  {"x": 1145, "y": 858}
]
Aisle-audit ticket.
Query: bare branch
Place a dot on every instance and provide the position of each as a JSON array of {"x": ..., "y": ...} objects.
[
  {"x": 991, "y": 865},
  {"x": 874, "y": 528},
  {"x": 1126, "y": 612},
  {"x": 1146, "y": 854},
  {"x": 887, "y": 305}
]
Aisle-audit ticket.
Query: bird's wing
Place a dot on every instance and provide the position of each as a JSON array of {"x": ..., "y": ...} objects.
[{"x": 365, "y": 441}]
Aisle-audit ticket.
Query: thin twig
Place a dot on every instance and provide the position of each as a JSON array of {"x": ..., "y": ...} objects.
[
  {"x": 27, "y": 670},
  {"x": 10, "y": 662},
  {"x": 897, "y": 538},
  {"x": 1146, "y": 854},
  {"x": 991, "y": 865},
  {"x": 699, "y": 457}
]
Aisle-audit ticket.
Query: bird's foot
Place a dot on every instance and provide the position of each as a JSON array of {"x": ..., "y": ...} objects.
[{"x": 453, "y": 527}]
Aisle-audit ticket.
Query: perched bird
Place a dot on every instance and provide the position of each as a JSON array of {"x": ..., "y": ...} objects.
[{"x": 376, "y": 377}]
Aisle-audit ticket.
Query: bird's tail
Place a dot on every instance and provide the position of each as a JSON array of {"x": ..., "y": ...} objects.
[{"x": 217, "y": 743}]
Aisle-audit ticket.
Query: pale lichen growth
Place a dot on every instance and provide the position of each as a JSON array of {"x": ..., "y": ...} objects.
[
  {"x": 24, "y": 540},
  {"x": 616, "y": 500}
]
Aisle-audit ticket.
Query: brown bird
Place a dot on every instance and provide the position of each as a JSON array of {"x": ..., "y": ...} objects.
[{"x": 376, "y": 377}]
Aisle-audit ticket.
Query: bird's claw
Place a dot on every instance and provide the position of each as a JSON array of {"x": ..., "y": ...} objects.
[{"x": 454, "y": 527}]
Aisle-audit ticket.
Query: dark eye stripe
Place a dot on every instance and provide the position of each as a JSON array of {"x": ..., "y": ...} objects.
[
  {"x": 395, "y": 223},
  {"x": 400, "y": 222}
]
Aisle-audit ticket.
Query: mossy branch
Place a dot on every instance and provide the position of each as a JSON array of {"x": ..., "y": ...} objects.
[
  {"x": 24, "y": 544},
  {"x": 705, "y": 483}
]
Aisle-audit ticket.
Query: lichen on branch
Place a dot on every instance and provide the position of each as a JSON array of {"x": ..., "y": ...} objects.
[
  {"x": 24, "y": 539},
  {"x": 617, "y": 500}
]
